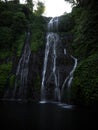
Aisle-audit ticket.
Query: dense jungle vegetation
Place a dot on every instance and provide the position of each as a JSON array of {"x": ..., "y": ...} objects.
[{"x": 16, "y": 19}]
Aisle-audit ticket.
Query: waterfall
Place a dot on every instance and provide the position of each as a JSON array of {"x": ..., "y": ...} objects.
[
  {"x": 52, "y": 41},
  {"x": 44, "y": 69},
  {"x": 71, "y": 73},
  {"x": 54, "y": 71},
  {"x": 68, "y": 79},
  {"x": 53, "y": 24},
  {"x": 21, "y": 82}
]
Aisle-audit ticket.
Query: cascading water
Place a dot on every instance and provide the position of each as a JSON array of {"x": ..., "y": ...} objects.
[
  {"x": 20, "y": 90},
  {"x": 52, "y": 41},
  {"x": 53, "y": 25},
  {"x": 71, "y": 73},
  {"x": 68, "y": 80},
  {"x": 55, "y": 68}
]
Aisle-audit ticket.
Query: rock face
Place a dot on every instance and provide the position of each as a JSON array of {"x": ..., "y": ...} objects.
[{"x": 35, "y": 74}]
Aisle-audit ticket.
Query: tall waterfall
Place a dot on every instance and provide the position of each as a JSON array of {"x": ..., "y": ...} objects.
[
  {"x": 52, "y": 41},
  {"x": 56, "y": 75},
  {"x": 21, "y": 82}
]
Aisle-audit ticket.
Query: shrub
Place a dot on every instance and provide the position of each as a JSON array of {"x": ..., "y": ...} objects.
[{"x": 85, "y": 83}]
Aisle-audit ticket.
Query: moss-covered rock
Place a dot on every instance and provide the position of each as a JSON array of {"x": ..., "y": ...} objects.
[
  {"x": 38, "y": 32},
  {"x": 85, "y": 83},
  {"x": 85, "y": 31},
  {"x": 85, "y": 47},
  {"x": 19, "y": 42},
  {"x": 5, "y": 70},
  {"x": 12, "y": 81}
]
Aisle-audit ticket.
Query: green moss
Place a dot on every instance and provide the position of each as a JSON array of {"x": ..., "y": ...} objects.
[
  {"x": 85, "y": 31},
  {"x": 85, "y": 83},
  {"x": 37, "y": 40},
  {"x": 12, "y": 81},
  {"x": 4, "y": 74},
  {"x": 38, "y": 30},
  {"x": 85, "y": 48},
  {"x": 19, "y": 44},
  {"x": 6, "y": 37},
  {"x": 4, "y": 54}
]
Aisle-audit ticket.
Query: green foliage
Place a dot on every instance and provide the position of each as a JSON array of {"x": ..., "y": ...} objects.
[
  {"x": 13, "y": 25},
  {"x": 37, "y": 40},
  {"x": 4, "y": 73},
  {"x": 85, "y": 48},
  {"x": 85, "y": 83},
  {"x": 19, "y": 22},
  {"x": 19, "y": 44},
  {"x": 30, "y": 4},
  {"x": 6, "y": 18},
  {"x": 85, "y": 31},
  {"x": 13, "y": 6},
  {"x": 38, "y": 33},
  {"x": 4, "y": 54},
  {"x": 66, "y": 23},
  {"x": 40, "y": 9},
  {"x": 2, "y": 6},
  {"x": 12, "y": 81},
  {"x": 14, "y": 16},
  {"x": 6, "y": 37},
  {"x": 6, "y": 41},
  {"x": 15, "y": 21}
]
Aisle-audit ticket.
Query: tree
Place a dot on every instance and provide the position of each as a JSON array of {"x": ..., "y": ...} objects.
[
  {"x": 30, "y": 4},
  {"x": 40, "y": 8},
  {"x": 15, "y": 1},
  {"x": 79, "y": 2},
  {"x": 74, "y": 2}
]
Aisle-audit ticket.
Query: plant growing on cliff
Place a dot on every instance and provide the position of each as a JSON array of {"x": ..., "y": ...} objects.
[{"x": 85, "y": 82}]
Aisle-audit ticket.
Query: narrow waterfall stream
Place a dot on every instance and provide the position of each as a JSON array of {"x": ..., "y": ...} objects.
[
  {"x": 21, "y": 82},
  {"x": 56, "y": 75}
]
